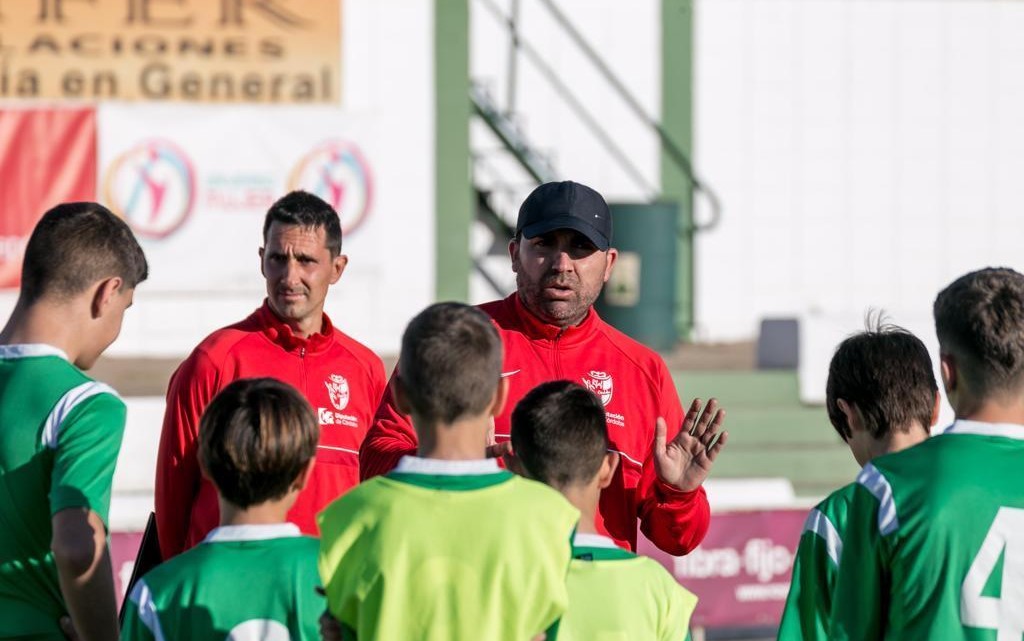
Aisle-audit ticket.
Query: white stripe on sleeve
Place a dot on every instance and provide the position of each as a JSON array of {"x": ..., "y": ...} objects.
[
  {"x": 819, "y": 524},
  {"x": 878, "y": 485},
  {"x": 67, "y": 403},
  {"x": 143, "y": 600}
]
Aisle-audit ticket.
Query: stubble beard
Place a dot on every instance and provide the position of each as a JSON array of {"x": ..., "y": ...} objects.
[{"x": 563, "y": 313}]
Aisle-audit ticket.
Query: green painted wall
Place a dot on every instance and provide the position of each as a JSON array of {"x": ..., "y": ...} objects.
[
  {"x": 454, "y": 191},
  {"x": 677, "y": 119}
]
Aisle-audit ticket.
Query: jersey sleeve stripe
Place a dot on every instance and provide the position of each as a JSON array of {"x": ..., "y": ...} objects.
[
  {"x": 67, "y": 403},
  {"x": 874, "y": 482},
  {"x": 143, "y": 600},
  {"x": 819, "y": 524}
]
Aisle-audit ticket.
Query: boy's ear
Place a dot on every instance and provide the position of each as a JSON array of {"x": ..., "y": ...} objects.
[
  {"x": 302, "y": 480},
  {"x": 103, "y": 294},
  {"x": 607, "y": 471},
  {"x": 947, "y": 368},
  {"x": 849, "y": 410},
  {"x": 500, "y": 397},
  {"x": 398, "y": 393},
  {"x": 936, "y": 408}
]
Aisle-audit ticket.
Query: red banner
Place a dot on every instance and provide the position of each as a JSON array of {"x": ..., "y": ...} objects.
[
  {"x": 47, "y": 156},
  {"x": 741, "y": 571},
  {"x": 124, "y": 547}
]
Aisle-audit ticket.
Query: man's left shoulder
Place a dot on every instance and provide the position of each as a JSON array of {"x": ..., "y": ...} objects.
[
  {"x": 632, "y": 350},
  {"x": 358, "y": 351}
]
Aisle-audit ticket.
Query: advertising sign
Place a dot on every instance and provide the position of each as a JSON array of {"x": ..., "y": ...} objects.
[
  {"x": 270, "y": 51},
  {"x": 47, "y": 156},
  {"x": 742, "y": 569},
  {"x": 195, "y": 182}
]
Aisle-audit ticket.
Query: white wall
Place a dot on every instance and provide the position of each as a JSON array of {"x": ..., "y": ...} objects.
[
  {"x": 627, "y": 36},
  {"x": 866, "y": 153}
]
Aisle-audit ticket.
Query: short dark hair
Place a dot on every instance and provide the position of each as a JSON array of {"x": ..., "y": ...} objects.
[
  {"x": 560, "y": 434},
  {"x": 979, "y": 318},
  {"x": 73, "y": 246},
  {"x": 887, "y": 373},
  {"x": 308, "y": 211},
  {"x": 255, "y": 437},
  {"x": 450, "y": 362}
]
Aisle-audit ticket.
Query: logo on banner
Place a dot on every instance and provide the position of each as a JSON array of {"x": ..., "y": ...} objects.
[
  {"x": 337, "y": 387},
  {"x": 600, "y": 383},
  {"x": 337, "y": 172},
  {"x": 151, "y": 186}
]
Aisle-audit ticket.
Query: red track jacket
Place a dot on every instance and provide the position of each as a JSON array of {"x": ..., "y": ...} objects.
[
  {"x": 636, "y": 388},
  {"x": 341, "y": 379}
]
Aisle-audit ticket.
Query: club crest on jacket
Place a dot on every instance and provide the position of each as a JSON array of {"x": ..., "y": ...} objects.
[
  {"x": 337, "y": 387},
  {"x": 600, "y": 383}
]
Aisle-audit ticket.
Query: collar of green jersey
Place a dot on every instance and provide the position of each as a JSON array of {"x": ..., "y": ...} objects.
[
  {"x": 595, "y": 547},
  {"x": 454, "y": 476}
]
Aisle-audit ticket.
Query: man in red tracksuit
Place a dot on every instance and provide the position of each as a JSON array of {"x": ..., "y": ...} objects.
[
  {"x": 291, "y": 339},
  {"x": 562, "y": 257}
]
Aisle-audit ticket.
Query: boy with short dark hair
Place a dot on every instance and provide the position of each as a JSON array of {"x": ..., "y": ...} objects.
[
  {"x": 935, "y": 533},
  {"x": 254, "y": 576},
  {"x": 560, "y": 437},
  {"x": 62, "y": 430},
  {"x": 448, "y": 546},
  {"x": 881, "y": 397}
]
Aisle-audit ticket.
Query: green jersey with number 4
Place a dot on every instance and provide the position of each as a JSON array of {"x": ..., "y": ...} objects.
[
  {"x": 934, "y": 546},
  {"x": 807, "y": 614}
]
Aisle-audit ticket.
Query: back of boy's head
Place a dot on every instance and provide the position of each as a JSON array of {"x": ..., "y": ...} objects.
[
  {"x": 255, "y": 438},
  {"x": 559, "y": 434},
  {"x": 886, "y": 373},
  {"x": 73, "y": 246},
  {"x": 450, "y": 363},
  {"x": 979, "y": 319}
]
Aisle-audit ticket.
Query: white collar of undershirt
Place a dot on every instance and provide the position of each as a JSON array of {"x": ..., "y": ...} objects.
[
  {"x": 438, "y": 467},
  {"x": 1008, "y": 430},
  {"x": 583, "y": 540},
  {"x": 227, "y": 533},
  {"x": 26, "y": 350}
]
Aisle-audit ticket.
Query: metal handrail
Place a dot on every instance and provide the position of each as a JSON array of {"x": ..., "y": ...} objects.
[{"x": 668, "y": 144}]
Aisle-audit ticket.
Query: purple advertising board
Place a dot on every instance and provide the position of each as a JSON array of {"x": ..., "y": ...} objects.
[{"x": 741, "y": 570}]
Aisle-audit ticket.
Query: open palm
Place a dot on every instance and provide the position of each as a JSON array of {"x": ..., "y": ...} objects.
[{"x": 685, "y": 461}]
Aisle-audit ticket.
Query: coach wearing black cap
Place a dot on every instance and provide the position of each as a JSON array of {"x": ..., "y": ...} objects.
[{"x": 562, "y": 256}]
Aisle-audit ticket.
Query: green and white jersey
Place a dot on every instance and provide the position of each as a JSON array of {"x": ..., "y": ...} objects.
[
  {"x": 809, "y": 605},
  {"x": 447, "y": 551},
  {"x": 60, "y": 433},
  {"x": 615, "y": 595},
  {"x": 242, "y": 583},
  {"x": 934, "y": 544}
]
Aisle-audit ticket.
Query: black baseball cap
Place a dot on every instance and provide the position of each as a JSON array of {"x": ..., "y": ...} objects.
[{"x": 566, "y": 205}]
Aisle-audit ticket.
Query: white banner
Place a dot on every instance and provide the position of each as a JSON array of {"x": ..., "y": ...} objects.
[{"x": 195, "y": 182}]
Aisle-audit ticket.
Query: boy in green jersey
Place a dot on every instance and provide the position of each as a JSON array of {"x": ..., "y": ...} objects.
[
  {"x": 560, "y": 437},
  {"x": 60, "y": 431},
  {"x": 448, "y": 546},
  {"x": 255, "y": 576},
  {"x": 935, "y": 533},
  {"x": 881, "y": 397}
]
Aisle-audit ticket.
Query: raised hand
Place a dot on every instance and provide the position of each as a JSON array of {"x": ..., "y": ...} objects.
[{"x": 686, "y": 460}]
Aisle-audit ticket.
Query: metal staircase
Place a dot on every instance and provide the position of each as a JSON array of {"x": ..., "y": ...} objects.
[{"x": 495, "y": 209}]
